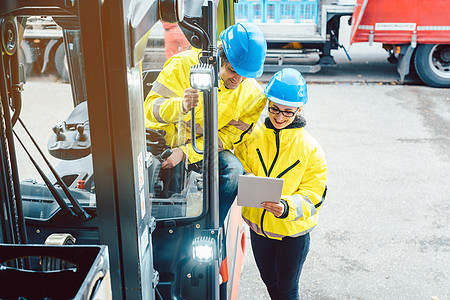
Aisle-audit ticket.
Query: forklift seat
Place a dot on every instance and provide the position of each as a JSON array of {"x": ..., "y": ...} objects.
[{"x": 148, "y": 77}]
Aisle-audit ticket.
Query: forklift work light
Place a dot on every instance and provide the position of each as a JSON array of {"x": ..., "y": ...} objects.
[
  {"x": 202, "y": 77},
  {"x": 204, "y": 249}
]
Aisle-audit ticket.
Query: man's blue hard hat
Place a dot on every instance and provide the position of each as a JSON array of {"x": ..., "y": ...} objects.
[
  {"x": 287, "y": 87},
  {"x": 245, "y": 47}
]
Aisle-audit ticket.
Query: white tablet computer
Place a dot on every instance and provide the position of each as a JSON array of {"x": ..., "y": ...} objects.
[{"x": 253, "y": 190}]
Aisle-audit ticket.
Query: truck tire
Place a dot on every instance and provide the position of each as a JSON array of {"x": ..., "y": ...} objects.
[
  {"x": 61, "y": 63},
  {"x": 432, "y": 64}
]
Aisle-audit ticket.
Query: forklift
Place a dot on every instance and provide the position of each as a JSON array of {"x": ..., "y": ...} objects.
[{"x": 103, "y": 190}]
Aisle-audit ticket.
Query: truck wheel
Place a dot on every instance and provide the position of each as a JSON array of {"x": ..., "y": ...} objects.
[
  {"x": 432, "y": 63},
  {"x": 61, "y": 63}
]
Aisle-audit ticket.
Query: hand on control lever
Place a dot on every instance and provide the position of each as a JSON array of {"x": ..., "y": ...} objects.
[
  {"x": 173, "y": 159},
  {"x": 155, "y": 140},
  {"x": 166, "y": 153},
  {"x": 190, "y": 99}
]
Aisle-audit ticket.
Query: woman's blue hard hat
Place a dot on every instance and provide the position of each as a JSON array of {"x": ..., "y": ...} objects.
[{"x": 287, "y": 87}]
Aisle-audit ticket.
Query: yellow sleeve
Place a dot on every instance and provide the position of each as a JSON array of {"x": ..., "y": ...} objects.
[
  {"x": 164, "y": 102},
  {"x": 237, "y": 131},
  {"x": 234, "y": 132},
  {"x": 241, "y": 151},
  {"x": 190, "y": 153},
  {"x": 311, "y": 192}
]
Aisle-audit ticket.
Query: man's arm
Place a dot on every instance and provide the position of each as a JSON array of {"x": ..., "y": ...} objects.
[
  {"x": 164, "y": 103},
  {"x": 237, "y": 131},
  {"x": 233, "y": 132}
]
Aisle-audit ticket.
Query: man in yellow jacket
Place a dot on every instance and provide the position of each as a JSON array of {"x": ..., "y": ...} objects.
[
  {"x": 240, "y": 103},
  {"x": 282, "y": 148}
]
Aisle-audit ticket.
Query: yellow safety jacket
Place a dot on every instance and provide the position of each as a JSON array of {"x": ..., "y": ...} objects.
[
  {"x": 294, "y": 155},
  {"x": 238, "y": 109}
]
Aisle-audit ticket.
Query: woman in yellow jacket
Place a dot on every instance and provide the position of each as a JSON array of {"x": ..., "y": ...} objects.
[{"x": 282, "y": 148}]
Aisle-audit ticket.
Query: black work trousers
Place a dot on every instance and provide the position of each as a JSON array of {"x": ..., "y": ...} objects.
[{"x": 280, "y": 263}]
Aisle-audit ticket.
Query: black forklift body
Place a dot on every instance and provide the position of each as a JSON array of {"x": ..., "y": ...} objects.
[
  {"x": 85, "y": 274},
  {"x": 106, "y": 188}
]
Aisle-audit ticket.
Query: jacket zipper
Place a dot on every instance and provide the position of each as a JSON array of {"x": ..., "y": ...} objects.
[
  {"x": 262, "y": 161},
  {"x": 243, "y": 134},
  {"x": 262, "y": 219},
  {"x": 265, "y": 171},
  {"x": 288, "y": 168},
  {"x": 279, "y": 176},
  {"x": 277, "y": 142}
]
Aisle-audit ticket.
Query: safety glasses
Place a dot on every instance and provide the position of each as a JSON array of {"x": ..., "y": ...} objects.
[{"x": 287, "y": 113}]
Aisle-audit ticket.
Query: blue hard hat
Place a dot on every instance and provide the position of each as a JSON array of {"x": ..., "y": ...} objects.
[
  {"x": 287, "y": 87},
  {"x": 245, "y": 47}
]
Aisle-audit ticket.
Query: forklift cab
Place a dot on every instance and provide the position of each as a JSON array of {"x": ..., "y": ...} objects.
[{"x": 75, "y": 156}]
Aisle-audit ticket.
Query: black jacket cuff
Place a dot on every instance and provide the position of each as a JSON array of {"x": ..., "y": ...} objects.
[{"x": 286, "y": 209}]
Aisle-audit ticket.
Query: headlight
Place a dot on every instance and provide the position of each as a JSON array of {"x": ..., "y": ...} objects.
[
  {"x": 202, "y": 77},
  {"x": 204, "y": 249}
]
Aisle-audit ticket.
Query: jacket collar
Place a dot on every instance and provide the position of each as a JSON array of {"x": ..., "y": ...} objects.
[
  {"x": 223, "y": 87},
  {"x": 299, "y": 122}
]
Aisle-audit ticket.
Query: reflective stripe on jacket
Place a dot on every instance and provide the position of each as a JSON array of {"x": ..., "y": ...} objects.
[
  {"x": 294, "y": 155},
  {"x": 238, "y": 109}
]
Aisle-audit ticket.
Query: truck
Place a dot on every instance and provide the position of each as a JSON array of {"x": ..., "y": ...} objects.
[
  {"x": 416, "y": 35},
  {"x": 97, "y": 185}
]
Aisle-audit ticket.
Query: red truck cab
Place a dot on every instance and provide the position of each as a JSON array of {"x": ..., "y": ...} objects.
[{"x": 418, "y": 33}]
